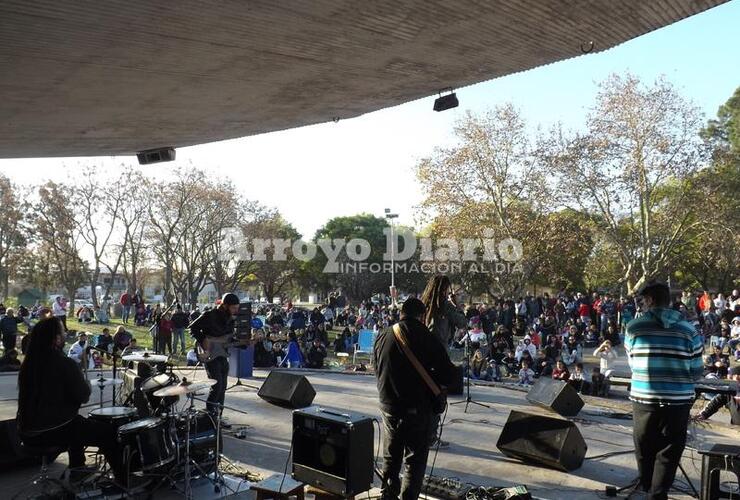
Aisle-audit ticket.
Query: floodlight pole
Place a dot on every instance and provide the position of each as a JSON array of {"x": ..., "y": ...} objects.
[{"x": 390, "y": 216}]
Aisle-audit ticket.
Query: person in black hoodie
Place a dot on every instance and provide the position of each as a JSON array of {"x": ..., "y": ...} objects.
[
  {"x": 405, "y": 400},
  {"x": 51, "y": 389},
  {"x": 180, "y": 321}
]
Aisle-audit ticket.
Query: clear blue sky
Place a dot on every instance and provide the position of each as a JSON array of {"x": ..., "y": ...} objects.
[{"x": 365, "y": 164}]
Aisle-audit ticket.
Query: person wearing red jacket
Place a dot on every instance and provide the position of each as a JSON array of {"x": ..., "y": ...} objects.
[
  {"x": 165, "y": 334},
  {"x": 125, "y": 302}
]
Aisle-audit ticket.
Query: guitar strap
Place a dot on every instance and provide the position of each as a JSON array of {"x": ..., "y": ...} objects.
[{"x": 401, "y": 339}]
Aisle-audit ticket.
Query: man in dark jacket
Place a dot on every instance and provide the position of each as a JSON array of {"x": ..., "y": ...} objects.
[
  {"x": 180, "y": 321},
  {"x": 406, "y": 401},
  {"x": 213, "y": 330}
]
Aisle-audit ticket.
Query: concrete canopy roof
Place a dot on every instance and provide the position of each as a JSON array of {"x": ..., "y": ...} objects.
[{"x": 87, "y": 77}]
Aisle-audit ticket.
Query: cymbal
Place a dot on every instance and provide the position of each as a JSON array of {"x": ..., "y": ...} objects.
[
  {"x": 146, "y": 357},
  {"x": 185, "y": 387},
  {"x": 156, "y": 382},
  {"x": 105, "y": 382}
]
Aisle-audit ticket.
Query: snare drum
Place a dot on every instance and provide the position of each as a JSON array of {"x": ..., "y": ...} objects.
[
  {"x": 147, "y": 444},
  {"x": 114, "y": 415}
]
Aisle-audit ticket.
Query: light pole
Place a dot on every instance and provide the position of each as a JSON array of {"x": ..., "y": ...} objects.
[{"x": 390, "y": 216}]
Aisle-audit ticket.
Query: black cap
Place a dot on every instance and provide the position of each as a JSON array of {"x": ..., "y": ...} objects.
[{"x": 230, "y": 299}]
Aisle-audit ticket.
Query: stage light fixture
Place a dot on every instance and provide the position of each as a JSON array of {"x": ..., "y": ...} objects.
[
  {"x": 156, "y": 155},
  {"x": 445, "y": 102}
]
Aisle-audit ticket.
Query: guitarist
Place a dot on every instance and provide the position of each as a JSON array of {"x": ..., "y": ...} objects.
[
  {"x": 408, "y": 401},
  {"x": 212, "y": 330}
]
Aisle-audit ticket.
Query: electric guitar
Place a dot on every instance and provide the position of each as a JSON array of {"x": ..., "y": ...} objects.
[{"x": 211, "y": 348}]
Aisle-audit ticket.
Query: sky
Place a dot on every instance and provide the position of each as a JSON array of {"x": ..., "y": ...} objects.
[{"x": 366, "y": 164}]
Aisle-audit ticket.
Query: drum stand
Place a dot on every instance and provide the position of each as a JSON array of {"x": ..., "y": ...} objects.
[{"x": 217, "y": 479}]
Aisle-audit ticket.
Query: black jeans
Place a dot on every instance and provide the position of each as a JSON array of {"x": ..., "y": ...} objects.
[
  {"x": 218, "y": 370},
  {"x": 660, "y": 436},
  {"x": 76, "y": 435},
  {"x": 406, "y": 442}
]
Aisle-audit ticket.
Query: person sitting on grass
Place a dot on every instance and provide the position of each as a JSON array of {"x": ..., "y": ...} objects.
[
  {"x": 526, "y": 375},
  {"x": 561, "y": 371},
  {"x": 121, "y": 339},
  {"x": 598, "y": 383},
  {"x": 316, "y": 354},
  {"x": 9, "y": 362},
  {"x": 132, "y": 348},
  {"x": 509, "y": 364},
  {"x": 542, "y": 366},
  {"x": 578, "y": 380}
]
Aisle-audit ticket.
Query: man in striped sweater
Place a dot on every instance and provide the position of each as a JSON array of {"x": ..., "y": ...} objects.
[{"x": 665, "y": 354}]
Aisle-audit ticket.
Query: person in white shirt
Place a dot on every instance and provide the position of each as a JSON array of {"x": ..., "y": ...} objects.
[
  {"x": 59, "y": 310},
  {"x": 525, "y": 345},
  {"x": 78, "y": 351},
  {"x": 606, "y": 355},
  {"x": 720, "y": 303}
]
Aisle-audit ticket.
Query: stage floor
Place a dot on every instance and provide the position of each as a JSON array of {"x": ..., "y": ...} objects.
[{"x": 472, "y": 455}]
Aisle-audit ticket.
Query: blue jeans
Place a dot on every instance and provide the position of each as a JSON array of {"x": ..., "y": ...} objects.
[
  {"x": 179, "y": 337},
  {"x": 126, "y": 313}
]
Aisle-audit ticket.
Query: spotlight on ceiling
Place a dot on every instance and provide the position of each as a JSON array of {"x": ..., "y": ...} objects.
[
  {"x": 444, "y": 102},
  {"x": 156, "y": 155}
]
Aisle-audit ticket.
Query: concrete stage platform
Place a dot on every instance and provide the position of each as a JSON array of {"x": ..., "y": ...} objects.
[{"x": 471, "y": 456}]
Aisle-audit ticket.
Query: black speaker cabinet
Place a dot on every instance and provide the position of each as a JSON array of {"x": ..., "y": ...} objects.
[
  {"x": 287, "y": 389},
  {"x": 550, "y": 441},
  {"x": 458, "y": 385},
  {"x": 333, "y": 450},
  {"x": 555, "y": 395}
]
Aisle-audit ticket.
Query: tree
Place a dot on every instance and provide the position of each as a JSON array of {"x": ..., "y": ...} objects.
[
  {"x": 12, "y": 239},
  {"x": 275, "y": 272},
  {"x": 97, "y": 210},
  {"x": 491, "y": 184},
  {"x": 631, "y": 171},
  {"x": 53, "y": 221},
  {"x": 133, "y": 223},
  {"x": 357, "y": 282}
]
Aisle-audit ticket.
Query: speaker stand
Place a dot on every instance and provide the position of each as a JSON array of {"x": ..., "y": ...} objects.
[
  {"x": 468, "y": 400},
  {"x": 239, "y": 384}
]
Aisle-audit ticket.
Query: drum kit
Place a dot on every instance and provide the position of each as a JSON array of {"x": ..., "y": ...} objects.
[{"x": 161, "y": 441}]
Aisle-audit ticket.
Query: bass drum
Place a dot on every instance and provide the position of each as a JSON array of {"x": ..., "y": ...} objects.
[
  {"x": 202, "y": 440},
  {"x": 147, "y": 444},
  {"x": 149, "y": 386}
]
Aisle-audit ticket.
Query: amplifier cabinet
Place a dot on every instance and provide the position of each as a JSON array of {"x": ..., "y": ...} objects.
[{"x": 333, "y": 450}]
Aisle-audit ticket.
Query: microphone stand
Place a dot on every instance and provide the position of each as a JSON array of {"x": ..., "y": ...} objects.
[{"x": 468, "y": 399}]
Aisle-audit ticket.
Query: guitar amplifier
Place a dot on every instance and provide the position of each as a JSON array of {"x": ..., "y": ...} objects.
[
  {"x": 243, "y": 320},
  {"x": 333, "y": 450}
]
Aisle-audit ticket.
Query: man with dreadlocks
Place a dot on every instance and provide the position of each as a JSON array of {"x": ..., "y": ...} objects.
[{"x": 442, "y": 316}]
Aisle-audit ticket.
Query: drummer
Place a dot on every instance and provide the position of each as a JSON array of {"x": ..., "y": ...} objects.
[{"x": 51, "y": 391}]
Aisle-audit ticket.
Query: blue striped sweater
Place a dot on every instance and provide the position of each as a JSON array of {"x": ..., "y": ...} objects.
[{"x": 665, "y": 354}]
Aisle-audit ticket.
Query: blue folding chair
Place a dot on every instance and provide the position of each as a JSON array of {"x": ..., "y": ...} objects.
[{"x": 364, "y": 345}]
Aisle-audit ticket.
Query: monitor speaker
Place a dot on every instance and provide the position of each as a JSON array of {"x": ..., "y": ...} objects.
[
  {"x": 555, "y": 395},
  {"x": 550, "y": 441},
  {"x": 333, "y": 450},
  {"x": 287, "y": 389}
]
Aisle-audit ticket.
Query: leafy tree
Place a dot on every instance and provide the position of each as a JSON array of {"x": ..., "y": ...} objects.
[
  {"x": 12, "y": 238},
  {"x": 489, "y": 185},
  {"x": 638, "y": 141},
  {"x": 356, "y": 283}
]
